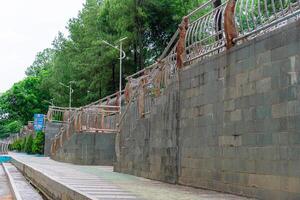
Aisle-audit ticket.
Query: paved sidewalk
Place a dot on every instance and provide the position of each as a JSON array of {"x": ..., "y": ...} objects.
[
  {"x": 22, "y": 186},
  {"x": 99, "y": 182},
  {"x": 5, "y": 192}
]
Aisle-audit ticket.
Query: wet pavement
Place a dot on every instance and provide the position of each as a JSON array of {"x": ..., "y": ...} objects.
[
  {"x": 5, "y": 192},
  {"x": 23, "y": 187},
  {"x": 100, "y": 182}
]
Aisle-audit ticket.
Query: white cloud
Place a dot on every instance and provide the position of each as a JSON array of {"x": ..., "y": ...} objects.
[{"x": 27, "y": 27}]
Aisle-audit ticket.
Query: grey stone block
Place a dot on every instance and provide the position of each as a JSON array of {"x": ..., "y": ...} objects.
[
  {"x": 263, "y": 112},
  {"x": 263, "y": 85}
]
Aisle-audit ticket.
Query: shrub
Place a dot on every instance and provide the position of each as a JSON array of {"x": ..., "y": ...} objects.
[
  {"x": 16, "y": 145},
  {"x": 29, "y": 143},
  {"x": 38, "y": 143},
  {"x": 23, "y": 144},
  {"x": 14, "y": 126}
]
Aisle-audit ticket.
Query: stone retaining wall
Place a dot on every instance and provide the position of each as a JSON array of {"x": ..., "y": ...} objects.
[
  {"x": 88, "y": 149},
  {"x": 50, "y": 131},
  {"x": 229, "y": 124}
]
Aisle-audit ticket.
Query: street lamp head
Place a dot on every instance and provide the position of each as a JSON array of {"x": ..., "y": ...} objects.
[
  {"x": 62, "y": 84},
  {"x": 105, "y": 42},
  {"x": 122, "y": 39}
]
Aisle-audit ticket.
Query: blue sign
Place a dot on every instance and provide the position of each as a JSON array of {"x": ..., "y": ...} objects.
[{"x": 38, "y": 122}]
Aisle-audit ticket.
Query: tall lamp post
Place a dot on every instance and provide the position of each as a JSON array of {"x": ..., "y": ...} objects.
[
  {"x": 70, "y": 92},
  {"x": 122, "y": 56}
]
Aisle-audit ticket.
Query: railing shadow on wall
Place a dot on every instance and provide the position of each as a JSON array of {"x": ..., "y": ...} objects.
[{"x": 208, "y": 30}]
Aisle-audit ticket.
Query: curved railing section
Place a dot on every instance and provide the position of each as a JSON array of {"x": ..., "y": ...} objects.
[
  {"x": 256, "y": 17},
  {"x": 210, "y": 29},
  {"x": 205, "y": 34}
]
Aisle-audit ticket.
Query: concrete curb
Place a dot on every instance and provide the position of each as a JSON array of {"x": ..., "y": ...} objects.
[
  {"x": 47, "y": 185},
  {"x": 12, "y": 184}
]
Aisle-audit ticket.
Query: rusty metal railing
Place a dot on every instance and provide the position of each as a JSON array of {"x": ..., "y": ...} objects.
[
  {"x": 3, "y": 147},
  {"x": 59, "y": 114},
  {"x": 256, "y": 17},
  {"x": 101, "y": 116},
  {"x": 208, "y": 30},
  {"x": 205, "y": 35},
  {"x": 98, "y": 117},
  {"x": 64, "y": 133}
]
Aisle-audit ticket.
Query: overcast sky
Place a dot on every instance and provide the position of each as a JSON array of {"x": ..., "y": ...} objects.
[{"x": 27, "y": 27}]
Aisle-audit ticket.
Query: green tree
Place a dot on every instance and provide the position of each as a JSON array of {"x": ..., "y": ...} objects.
[
  {"x": 13, "y": 127},
  {"x": 84, "y": 58},
  {"x": 43, "y": 61}
]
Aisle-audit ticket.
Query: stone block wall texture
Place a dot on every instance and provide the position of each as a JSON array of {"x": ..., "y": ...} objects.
[
  {"x": 148, "y": 147},
  {"x": 88, "y": 149},
  {"x": 231, "y": 123},
  {"x": 50, "y": 131}
]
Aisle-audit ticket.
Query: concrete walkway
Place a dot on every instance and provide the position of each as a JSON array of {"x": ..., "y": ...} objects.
[
  {"x": 22, "y": 187},
  {"x": 98, "y": 182},
  {"x": 5, "y": 192}
]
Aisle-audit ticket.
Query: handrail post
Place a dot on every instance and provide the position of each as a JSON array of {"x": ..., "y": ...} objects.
[
  {"x": 229, "y": 24},
  {"x": 180, "y": 48}
]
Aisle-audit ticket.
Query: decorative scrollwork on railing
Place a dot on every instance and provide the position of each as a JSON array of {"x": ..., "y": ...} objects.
[
  {"x": 205, "y": 34},
  {"x": 256, "y": 17}
]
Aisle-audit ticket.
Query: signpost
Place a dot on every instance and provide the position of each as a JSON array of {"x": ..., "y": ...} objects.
[{"x": 39, "y": 122}]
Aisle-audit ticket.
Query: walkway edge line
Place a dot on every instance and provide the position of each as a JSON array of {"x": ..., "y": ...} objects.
[{"x": 12, "y": 184}]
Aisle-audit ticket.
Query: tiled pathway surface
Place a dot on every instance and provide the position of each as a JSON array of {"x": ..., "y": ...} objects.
[
  {"x": 25, "y": 190},
  {"x": 98, "y": 182}
]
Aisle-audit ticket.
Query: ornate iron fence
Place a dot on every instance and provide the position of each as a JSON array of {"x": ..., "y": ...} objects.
[
  {"x": 102, "y": 119},
  {"x": 205, "y": 35},
  {"x": 59, "y": 114},
  {"x": 98, "y": 117},
  {"x": 256, "y": 17},
  {"x": 208, "y": 30}
]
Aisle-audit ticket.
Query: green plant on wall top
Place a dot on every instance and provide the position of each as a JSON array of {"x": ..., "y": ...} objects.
[
  {"x": 38, "y": 143},
  {"x": 32, "y": 144},
  {"x": 29, "y": 143},
  {"x": 23, "y": 144}
]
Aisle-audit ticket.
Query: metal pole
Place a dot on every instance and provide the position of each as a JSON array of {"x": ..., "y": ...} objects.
[
  {"x": 70, "y": 96},
  {"x": 122, "y": 56},
  {"x": 120, "y": 86}
]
